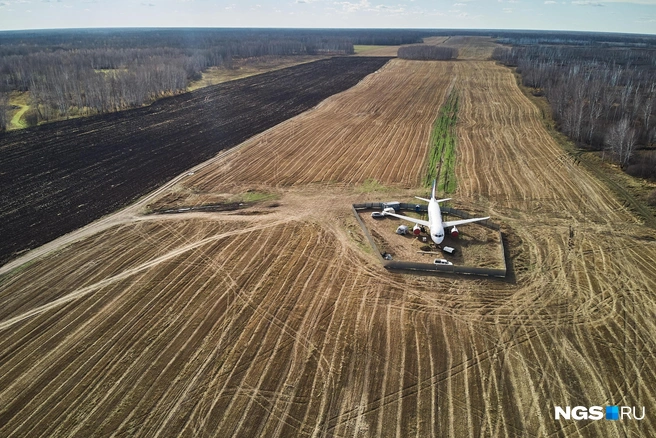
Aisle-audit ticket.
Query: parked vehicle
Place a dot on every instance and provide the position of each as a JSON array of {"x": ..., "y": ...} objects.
[
  {"x": 448, "y": 249},
  {"x": 442, "y": 262},
  {"x": 395, "y": 205}
]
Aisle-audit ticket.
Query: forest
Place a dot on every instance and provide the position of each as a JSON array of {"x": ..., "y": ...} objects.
[
  {"x": 72, "y": 73},
  {"x": 602, "y": 96},
  {"x": 83, "y": 72},
  {"x": 425, "y": 52}
]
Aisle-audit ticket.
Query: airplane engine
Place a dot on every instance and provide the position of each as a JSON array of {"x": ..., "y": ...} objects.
[
  {"x": 454, "y": 232},
  {"x": 416, "y": 230}
]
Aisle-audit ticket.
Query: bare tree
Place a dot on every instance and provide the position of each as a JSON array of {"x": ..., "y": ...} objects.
[
  {"x": 650, "y": 102},
  {"x": 594, "y": 107},
  {"x": 620, "y": 140},
  {"x": 578, "y": 106},
  {"x": 4, "y": 111}
]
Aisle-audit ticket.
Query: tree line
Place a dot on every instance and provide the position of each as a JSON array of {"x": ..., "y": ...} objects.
[
  {"x": 584, "y": 39},
  {"x": 4, "y": 111},
  {"x": 602, "y": 98},
  {"x": 86, "y": 72},
  {"x": 24, "y": 42},
  {"x": 424, "y": 52}
]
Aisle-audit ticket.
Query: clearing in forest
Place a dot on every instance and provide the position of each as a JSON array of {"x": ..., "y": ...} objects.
[
  {"x": 469, "y": 47},
  {"x": 245, "y": 67}
]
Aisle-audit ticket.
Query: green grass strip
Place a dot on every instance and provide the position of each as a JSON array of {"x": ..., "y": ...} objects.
[{"x": 442, "y": 152}]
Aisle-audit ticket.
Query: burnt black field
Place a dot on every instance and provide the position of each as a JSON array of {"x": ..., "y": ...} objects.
[{"x": 58, "y": 177}]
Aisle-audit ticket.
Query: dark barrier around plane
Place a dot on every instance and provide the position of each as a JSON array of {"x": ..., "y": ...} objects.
[
  {"x": 450, "y": 269},
  {"x": 366, "y": 233},
  {"x": 429, "y": 267}
]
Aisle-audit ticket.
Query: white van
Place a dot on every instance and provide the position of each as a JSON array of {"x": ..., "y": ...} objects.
[
  {"x": 442, "y": 262},
  {"x": 448, "y": 249}
]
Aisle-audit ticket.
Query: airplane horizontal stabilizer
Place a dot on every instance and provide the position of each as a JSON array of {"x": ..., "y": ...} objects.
[{"x": 423, "y": 199}]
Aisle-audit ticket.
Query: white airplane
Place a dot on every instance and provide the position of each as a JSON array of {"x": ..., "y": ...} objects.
[{"x": 434, "y": 222}]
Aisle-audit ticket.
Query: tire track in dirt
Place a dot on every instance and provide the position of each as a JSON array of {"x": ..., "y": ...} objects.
[
  {"x": 124, "y": 274},
  {"x": 277, "y": 347},
  {"x": 237, "y": 368},
  {"x": 233, "y": 287}
]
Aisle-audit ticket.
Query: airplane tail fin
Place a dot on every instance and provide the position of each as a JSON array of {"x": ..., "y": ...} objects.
[{"x": 434, "y": 184}]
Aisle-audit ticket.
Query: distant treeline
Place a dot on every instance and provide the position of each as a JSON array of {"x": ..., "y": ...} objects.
[
  {"x": 604, "y": 99},
  {"x": 426, "y": 52},
  {"x": 88, "y": 71},
  {"x": 531, "y": 37},
  {"x": 85, "y": 72},
  {"x": 24, "y": 42},
  {"x": 593, "y": 39}
]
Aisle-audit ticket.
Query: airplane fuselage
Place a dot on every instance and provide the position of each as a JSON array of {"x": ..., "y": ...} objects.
[{"x": 435, "y": 221}]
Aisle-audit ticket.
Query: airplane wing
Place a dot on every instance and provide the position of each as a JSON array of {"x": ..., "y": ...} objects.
[
  {"x": 463, "y": 221},
  {"x": 411, "y": 219}
]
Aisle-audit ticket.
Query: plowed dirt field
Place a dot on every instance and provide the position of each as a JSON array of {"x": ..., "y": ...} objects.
[
  {"x": 469, "y": 47},
  {"x": 378, "y": 129},
  {"x": 277, "y": 320},
  {"x": 57, "y": 177}
]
